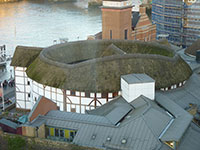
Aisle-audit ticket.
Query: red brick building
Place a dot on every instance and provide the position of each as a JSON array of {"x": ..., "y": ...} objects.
[{"x": 119, "y": 22}]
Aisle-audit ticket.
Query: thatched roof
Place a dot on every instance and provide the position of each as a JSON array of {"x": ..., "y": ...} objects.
[
  {"x": 24, "y": 55},
  {"x": 96, "y": 66},
  {"x": 191, "y": 50}
]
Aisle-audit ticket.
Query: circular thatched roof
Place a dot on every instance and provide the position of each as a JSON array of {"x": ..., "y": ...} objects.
[
  {"x": 96, "y": 66},
  {"x": 191, "y": 50}
]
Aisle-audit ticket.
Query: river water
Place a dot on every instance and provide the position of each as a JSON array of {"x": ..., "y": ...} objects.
[{"x": 40, "y": 22}]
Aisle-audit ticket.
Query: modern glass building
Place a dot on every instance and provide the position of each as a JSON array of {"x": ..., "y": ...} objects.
[{"x": 178, "y": 20}]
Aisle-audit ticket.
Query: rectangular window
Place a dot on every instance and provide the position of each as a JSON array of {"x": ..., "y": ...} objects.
[
  {"x": 72, "y": 93},
  {"x": 87, "y": 94},
  {"x": 111, "y": 34},
  {"x": 47, "y": 131},
  {"x": 126, "y": 34},
  {"x": 28, "y": 82},
  {"x": 61, "y": 133},
  {"x": 56, "y": 132},
  {"x": 29, "y": 95}
]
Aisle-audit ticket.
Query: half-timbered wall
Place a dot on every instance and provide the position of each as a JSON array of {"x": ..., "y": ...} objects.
[{"x": 28, "y": 92}]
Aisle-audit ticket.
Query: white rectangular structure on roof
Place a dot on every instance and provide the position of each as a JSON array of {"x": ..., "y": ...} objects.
[{"x": 134, "y": 85}]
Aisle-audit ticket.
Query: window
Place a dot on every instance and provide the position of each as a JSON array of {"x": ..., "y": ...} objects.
[
  {"x": 47, "y": 131},
  {"x": 126, "y": 34},
  {"x": 28, "y": 82},
  {"x": 61, "y": 133},
  {"x": 29, "y": 95},
  {"x": 73, "y": 93},
  {"x": 56, "y": 132},
  {"x": 111, "y": 34},
  {"x": 87, "y": 94}
]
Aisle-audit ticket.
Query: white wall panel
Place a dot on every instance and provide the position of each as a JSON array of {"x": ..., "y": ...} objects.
[
  {"x": 60, "y": 97},
  {"x": 29, "y": 105},
  {"x": 20, "y": 96},
  {"x": 21, "y": 104},
  {"x": 18, "y": 105},
  {"x": 41, "y": 92},
  {"x": 68, "y": 107},
  {"x": 47, "y": 88},
  {"x": 19, "y": 73},
  {"x": 68, "y": 92},
  {"x": 77, "y": 93},
  {"x": 82, "y": 93},
  {"x": 59, "y": 91},
  {"x": 102, "y": 100},
  {"x": 28, "y": 89},
  {"x": 85, "y": 101},
  {"x": 77, "y": 108},
  {"x": 98, "y": 95},
  {"x": 40, "y": 86},
  {"x": 19, "y": 80},
  {"x": 19, "y": 68},
  {"x": 53, "y": 95},
  {"x": 74, "y": 99},
  {"x": 132, "y": 91},
  {"x": 60, "y": 106},
  {"x": 110, "y": 95},
  {"x": 47, "y": 94},
  {"x": 20, "y": 87},
  {"x": 53, "y": 89}
]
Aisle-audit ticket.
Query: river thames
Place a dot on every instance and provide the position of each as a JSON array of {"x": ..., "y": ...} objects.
[{"x": 39, "y": 23}]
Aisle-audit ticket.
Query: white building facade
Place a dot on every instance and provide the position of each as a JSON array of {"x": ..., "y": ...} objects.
[{"x": 28, "y": 92}]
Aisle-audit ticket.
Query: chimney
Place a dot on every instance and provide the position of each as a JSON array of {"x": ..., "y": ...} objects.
[
  {"x": 142, "y": 9},
  {"x": 134, "y": 85}
]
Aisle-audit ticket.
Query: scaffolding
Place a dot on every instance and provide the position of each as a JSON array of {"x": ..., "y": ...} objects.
[{"x": 177, "y": 18}]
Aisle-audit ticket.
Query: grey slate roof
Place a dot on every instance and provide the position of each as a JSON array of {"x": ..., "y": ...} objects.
[
  {"x": 141, "y": 127},
  {"x": 135, "y": 18},
  {"x": 137, "y": 78},
  {"x": 189, "y": 93},
  {"x": 8, "y": 123},
  {"x": 179, "y": 124},
  {"x": 80, "y": 118},
  {"x": 106, "y": 109},
  {"x": 191, "y": 138}
]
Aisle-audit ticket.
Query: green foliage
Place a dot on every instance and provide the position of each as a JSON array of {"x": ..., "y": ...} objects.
[{"x": 16, "y": 143}]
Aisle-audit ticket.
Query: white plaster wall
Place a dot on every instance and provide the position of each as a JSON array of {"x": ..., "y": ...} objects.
[
  {"x": 132, "y": 91},
  {"x": 79, "y": 102}
]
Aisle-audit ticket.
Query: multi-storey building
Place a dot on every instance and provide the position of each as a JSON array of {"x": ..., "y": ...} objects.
[
  {"x": 179, "y": 20},
  {"x": 119, "y": 22}
]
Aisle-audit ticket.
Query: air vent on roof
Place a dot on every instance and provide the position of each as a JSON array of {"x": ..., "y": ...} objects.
[
  {"x": 93, "y": 137},
  {"x": 124, "y": 141},
  {"x": 108, "y": 138}
]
